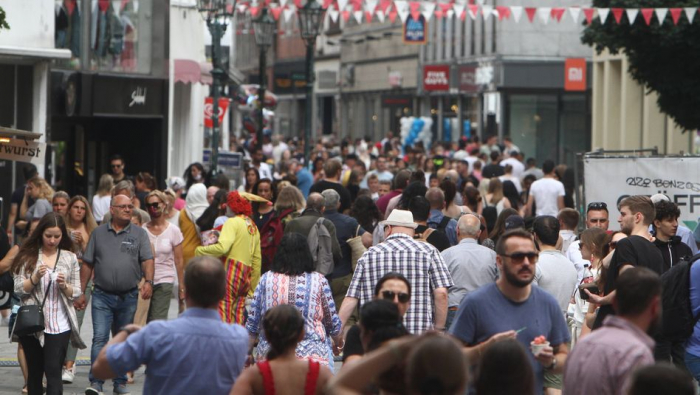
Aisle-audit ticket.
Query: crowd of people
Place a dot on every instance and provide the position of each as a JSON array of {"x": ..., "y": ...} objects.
[{"x": 459, "y": 269}]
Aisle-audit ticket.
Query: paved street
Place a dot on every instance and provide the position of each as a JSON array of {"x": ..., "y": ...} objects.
[{"x": 11, "y": 380}]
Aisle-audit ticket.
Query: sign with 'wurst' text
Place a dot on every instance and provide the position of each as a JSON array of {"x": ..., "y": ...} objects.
[{"x": 22, "y": 151}]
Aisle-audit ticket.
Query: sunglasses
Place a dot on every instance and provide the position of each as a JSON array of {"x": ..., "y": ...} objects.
[
  {"x": 390, "y": 295},
  {"x": 116, "y": 166},
  {"x": 519, "y": 257},
  {"x": 597, "y": 206},
  {"x": 153, "y": 205}
]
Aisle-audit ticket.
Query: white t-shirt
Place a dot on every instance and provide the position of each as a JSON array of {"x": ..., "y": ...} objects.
[
  {"x": 518, "y": 166},
  {"x": 515, "y": 180},
  {"x": 546, "y": 192},
  {"x": 556, "y": 275},
  {"x": 100, "y": 206}
]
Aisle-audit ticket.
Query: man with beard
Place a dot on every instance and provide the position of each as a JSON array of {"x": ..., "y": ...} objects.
[
  {"x": 602, "y": 362},
  {"x": 636, "y": 214},
  {"x": 513, "y": 308},
  {"x": 596, "y": 217}
]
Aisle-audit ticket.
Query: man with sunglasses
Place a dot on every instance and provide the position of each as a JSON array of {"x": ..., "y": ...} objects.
[
  {"x": 512, "y": 308},
  {"x": 597, "y": 216},
  {"x": 470, "y": 264},
  {"x": 116, "y": 167}
]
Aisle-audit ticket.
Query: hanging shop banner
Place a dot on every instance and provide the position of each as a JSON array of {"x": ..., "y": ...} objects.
[
  {"x": 436, "y": 78},
  {"x": 610, "y": 180},
  {"x": 575, "y": 75},
  {"x": 209, "y": 111},
  {"x": 22, "y": 150},
  {"x": 414, "y": 30},
  {"x": 467, "y": 79}
]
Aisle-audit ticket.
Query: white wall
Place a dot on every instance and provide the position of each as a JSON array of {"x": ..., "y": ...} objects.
[{"x": 31, "y": 23}]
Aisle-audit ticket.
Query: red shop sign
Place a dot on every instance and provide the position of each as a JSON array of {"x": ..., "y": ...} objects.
[{"x": 436, "y": 78}]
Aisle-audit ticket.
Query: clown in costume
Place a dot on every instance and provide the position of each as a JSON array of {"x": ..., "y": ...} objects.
[{"x": 239, "y": 246}]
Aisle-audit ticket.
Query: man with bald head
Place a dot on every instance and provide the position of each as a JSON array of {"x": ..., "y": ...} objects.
[{"x": 471, "y": 265}]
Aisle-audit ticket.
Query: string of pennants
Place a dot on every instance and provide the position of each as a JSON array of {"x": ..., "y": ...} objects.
[{"x": 368, "y": 11}]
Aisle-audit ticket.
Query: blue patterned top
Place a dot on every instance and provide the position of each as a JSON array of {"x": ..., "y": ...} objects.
[{"x": 311, "y": 294}]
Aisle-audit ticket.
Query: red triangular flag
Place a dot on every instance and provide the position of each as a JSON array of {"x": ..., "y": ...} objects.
[
  {"x": 326, "y": 3},
  {"x": 557, "y": 13},
  {"x": 445, "y": 7},
  {"x": 254, "y": 11},
  {"x": 617, "y": 13},
  {"x": 276, "y": 11},
  {"x": 588, "y": 12},
  {"x": 463, "y": 15},
  {"x": 297, "y": 3},
  {"x": 503, "y": 12},
  {"x": 368, "y": 16},
  {"x": 675, "y": 14},
  {"x": 647, "y": 13},
  {"x": 473, "y": 10},
  {"x": 530, "y": 11},
  {"x": 415, "y": 10},
  {"x": 346, "y": 15},
  {"x": 392, "y": 16},
  {"x": 438, "y": 14}
]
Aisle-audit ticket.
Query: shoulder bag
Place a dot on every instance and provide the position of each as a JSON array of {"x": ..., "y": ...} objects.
[
  {"x": 30, "y": 318},
  {"x": 356, "y": 248}
]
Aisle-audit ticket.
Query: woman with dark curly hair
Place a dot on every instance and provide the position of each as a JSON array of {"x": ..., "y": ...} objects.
[
  {"x": 365, "y": 211},
  {"x": 293, "y": 281},
  {"x": 194, "y": 174}
]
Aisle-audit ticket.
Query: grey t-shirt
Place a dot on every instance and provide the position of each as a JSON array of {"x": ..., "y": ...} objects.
[
  {"x": 40, "y": 208},
  {"x": 471, "y": 267},
  {"x": 116, "y": 256},
  {"x": 556, "y": 275},
  {"x": 487, "y": 311}
]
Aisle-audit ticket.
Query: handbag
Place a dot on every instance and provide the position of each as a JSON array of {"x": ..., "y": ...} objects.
[
  {"x": 356, "y": 248},
  {"x": 30, "y": 318}
]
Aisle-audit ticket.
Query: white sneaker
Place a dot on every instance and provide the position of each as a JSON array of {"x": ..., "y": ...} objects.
[{"x": 68, "y": 375}]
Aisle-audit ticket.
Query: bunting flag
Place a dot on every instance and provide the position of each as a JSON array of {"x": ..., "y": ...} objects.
[
  {"x": 647, "y": 13},
  {"x": 334, "y": 15},
  {"x": 517, "y": 13},
  {"x": 486, "y": 12},
  {"x": 368, "y": 17},
  {"x": 661, "y": 14},
  {"x": 575, "y": 12},
  {"x": 690, "y": 13},
  {"x": 288, "y": 12},
  {"x": 380, "y": 15},
  {"x": 603, "y": 14},
  {"x": 544, "y": 14},
  {"x": 459, "y": 10},
  {"x": 558, "y": 13},
  {"x": 530, "y": 11},
  {"x": 428, "y": 9},
  {"x": 632, "y": 14},
  {"x": 342, "y": 4},
  {"x": 617, "y": 14},
  {"x": 473, "y": 11},
  {"x": 503, "y": 12},
  {"x": 242, "y": 8},
  {"x": 415, "y": 10},
  {"x": 392, "y": 16},
  {"x": 283, "y": 3},
  {"x": 276, "y": 12},
  {"x": 675, "y": 15},
  {"x": 444, "y": 7},
  {"x": 370, "y": 6},
  {"x": 346, "y": 15},
  {"x": 588, "y": 13},
  {"x": 358, "y": 16},
  {"x": 401, "y": 8},
  {"x": 450, "y": 14}
]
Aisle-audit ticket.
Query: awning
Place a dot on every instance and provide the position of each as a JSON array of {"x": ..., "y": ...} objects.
[
  {"x": 190, "y": 71},
  {"x": 36, "y": 53},
  {"x": 9, "y": 132}
]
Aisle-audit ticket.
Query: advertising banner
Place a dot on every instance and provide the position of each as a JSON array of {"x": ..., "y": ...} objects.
[
  {"x": 209, "y": 110},
  {"x": 610, "y": 180},
  {"x": 22, "y": 150},
  {"x": 414, "y": 30}
]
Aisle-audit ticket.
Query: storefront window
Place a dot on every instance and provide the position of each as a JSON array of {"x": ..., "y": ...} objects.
[
  {"x": 533, "y": 125},
  {"x": 68, "y": 32},
  {"x": 120, "y": 36}
]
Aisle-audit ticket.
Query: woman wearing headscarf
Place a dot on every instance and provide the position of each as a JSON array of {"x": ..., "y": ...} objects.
[
  {"x": 239, "y": 245},
  {"x": 195, "y": 204}
]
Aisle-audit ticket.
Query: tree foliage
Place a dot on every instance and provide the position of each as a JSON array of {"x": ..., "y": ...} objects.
[
  {"x": 3, "y": 22},
  {"x": 663, "y": 58}
]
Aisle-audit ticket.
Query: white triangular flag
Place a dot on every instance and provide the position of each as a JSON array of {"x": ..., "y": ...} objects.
[
  {"x": 459, "y": 9},
  {"x": 358, "y": 16},
  {"x": 241, "y": 8},
  {"x": 380, "y": 15},
  {"x": 690, "y": 13},
  {"x": 632, "y": 14},
  {"x": 370, "y": 5},
  {"x": 603, "y": 14},
  {"x": 428, "y": 9},
  {"x": 283, "y": 3},
  {"x": 288, "y": 12},
  {"x": 574, "y": 12},
  {"x": 480, "y": 2},
  {"x": 342, "y": 4},
  {"x": 472, "y": 11},
  {"x": 450, "y": 14},
  {"x": 334, "y": 15},
  {"x": 517, "y": 12},
  {"x": 661, "y": 14},
  {"x": 486, "y": 12},
  {"x": 544, "y": 13},
  {"x": 402, "y": 10}
]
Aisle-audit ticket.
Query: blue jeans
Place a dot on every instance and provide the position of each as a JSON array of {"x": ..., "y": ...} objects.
[
  {"x": 110, "y": 312},
  {"x": 692, "y": 363}
]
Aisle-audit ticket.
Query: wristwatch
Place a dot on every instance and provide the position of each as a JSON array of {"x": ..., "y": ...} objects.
[
  {"x": 150, "y": 282},
  {"x": 553, "y": 365},
  {"x": 128, "y": 330}
]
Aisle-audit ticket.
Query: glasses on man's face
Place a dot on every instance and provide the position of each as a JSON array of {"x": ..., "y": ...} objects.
[
  {"x": 391, "y": 295},
  {"x": 519, "y": 257},
  {"x": 124, "y": 206},
  {"x": 597, "y": 206},
  {"x": 116, "y": 166}
]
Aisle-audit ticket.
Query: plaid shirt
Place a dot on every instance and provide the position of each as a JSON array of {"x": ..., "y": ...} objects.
[{"x": 419, "y": 262}]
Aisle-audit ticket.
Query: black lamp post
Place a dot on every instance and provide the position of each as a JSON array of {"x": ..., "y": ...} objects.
[
  {"x": 310, "y": 18},
  {"x": 216, "y": 13},
  {"x": 264, "y": 28}
]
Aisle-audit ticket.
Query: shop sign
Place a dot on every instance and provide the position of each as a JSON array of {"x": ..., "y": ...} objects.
[
  {"x": 22, "y": 150},
  {"x": 209, "y": 110},
  {"x": 467, "y": 79},
  {"x": 436, "y": 78},
  {"x": 414, "y": 30},
  {"x": 395, "y": 79},
  {"x": 327, "y": 79},
  {"x": 575, "y": 75},
  {"x": 115, "y": 96}
]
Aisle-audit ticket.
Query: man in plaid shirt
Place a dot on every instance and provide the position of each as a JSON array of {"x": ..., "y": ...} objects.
[{"x": 419, "y": 262}]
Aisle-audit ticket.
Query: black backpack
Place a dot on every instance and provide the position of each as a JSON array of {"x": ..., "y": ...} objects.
[{"x": 678, "y": 320}]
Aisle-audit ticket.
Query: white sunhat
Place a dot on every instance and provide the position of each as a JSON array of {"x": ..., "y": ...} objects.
[{"x": 402, "y": 218}]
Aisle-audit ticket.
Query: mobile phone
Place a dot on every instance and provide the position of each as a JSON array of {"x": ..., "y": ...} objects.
[{"x": 592, "y": 288}]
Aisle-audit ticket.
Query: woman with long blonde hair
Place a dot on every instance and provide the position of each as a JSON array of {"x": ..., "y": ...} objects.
[
  {"x": 42, "y": 193},
  {"x": 103, "y": 197},
  {"x": 495, "y": 197}
]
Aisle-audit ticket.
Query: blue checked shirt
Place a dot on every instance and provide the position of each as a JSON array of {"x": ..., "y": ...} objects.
[{"x": 419, "y": 262}]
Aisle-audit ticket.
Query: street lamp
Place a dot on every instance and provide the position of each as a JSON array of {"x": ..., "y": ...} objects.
[
  {"x": 264, "y": 28},
  {"x": 310, "y": 17},
  {"x": 216, "y": 13}
]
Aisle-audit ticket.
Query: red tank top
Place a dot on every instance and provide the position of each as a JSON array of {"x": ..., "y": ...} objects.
[{"x": 269, "y": 382}]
